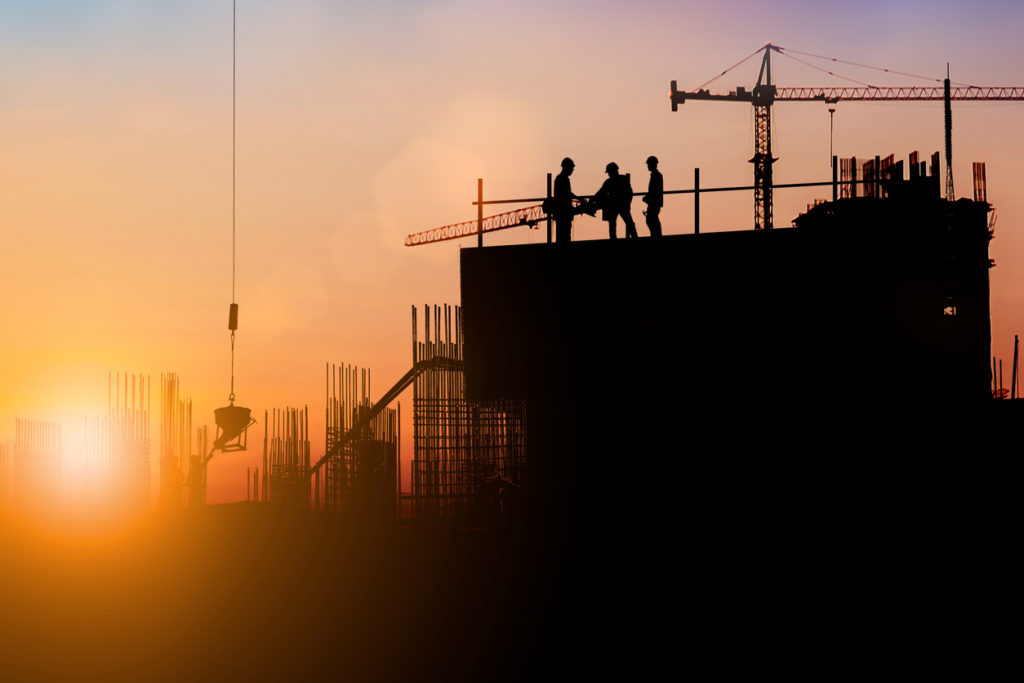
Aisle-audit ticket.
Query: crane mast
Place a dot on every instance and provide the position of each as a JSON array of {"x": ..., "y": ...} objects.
[
  {"x": 762, "y": 97},
  {"x": 947, "y": 98}
]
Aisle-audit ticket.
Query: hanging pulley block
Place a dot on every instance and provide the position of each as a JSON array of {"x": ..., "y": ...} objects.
[{"x": 233, "y": 423}]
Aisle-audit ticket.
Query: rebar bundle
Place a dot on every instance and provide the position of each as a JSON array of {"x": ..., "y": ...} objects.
[
  {"x": 362, "y": 477},
  {"x": 285, "y": 458},
  {"x": 5, "y": 475},
  {"x": 469, "y": 457},
  {"x": 117, "y": 446},
  {"x": 175, "y": 439},
  {"x": 37, "y": 464},
  {"x": 196, "y": 476}
]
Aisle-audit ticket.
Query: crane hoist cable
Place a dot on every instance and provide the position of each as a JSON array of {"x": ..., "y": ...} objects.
[
  {"x": 822, "y": 69},
  {"x": 784, "y": 50},
  {"x": 233, "y": 310},
  {"x": 232, "y": 421},
  {"x": 712, "y": 80}
]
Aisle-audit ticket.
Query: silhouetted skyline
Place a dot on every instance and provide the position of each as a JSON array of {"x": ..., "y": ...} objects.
[{"x": 359, "y": 125}]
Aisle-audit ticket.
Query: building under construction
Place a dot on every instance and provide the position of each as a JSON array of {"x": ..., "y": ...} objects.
[{"x": 660, "y": 372}]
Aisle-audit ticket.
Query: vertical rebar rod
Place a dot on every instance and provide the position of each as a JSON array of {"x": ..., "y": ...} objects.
[
  {"x": 696, "y": 201},
  {"x": 877, "y": 177},
  {"x": 1013, "y": 380},
  {"x": 398, "y": 459},
  {"x": 835, "y": 180},
  {"x": 548, "y": 195}
]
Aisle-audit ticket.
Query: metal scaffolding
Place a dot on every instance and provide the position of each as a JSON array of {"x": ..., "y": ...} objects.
[{"x": 469, "y": 457}]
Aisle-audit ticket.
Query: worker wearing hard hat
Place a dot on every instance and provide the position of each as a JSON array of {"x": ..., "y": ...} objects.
[
  {"x": 614, "y": 197},
  {"x": 563, "y": 197},
  {"x": 655, "y": 197}
]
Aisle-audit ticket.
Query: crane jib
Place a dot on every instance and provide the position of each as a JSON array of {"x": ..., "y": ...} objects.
[{"x": 901, "y": 93}]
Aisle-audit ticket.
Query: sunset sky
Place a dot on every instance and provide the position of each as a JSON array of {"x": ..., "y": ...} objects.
[{"x": 360, "y": 122}]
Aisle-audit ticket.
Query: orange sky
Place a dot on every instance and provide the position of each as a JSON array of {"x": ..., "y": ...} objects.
[{"x": 362, "y": 122}]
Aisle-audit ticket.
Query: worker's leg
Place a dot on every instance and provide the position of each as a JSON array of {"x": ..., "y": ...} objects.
[
  {"x": 611, "y": 228},
  {"x": 627, "y": 218},
  {"x": 563, "y": 230},
  {"x": 654, "y": 220}
]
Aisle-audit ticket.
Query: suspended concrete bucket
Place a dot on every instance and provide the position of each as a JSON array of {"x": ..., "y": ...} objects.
[{"x": 232, "y": 425}]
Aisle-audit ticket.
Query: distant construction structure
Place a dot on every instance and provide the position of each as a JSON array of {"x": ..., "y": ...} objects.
[
  {"x": 469, "y": 457},
  {"x": 37, "y": 465}
]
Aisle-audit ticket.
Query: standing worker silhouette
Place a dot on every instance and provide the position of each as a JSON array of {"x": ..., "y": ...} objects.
[
  {"x": 614, "y": 197},
  {"x": 655, "y": 197},
  {"x": 563, "y": 197}
]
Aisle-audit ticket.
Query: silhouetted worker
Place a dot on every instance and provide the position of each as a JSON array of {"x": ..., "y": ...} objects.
[
  {"x": 614, "y": 197},
  {"x": 563, "y": 197},
  {"x": 655, "y": 197}
]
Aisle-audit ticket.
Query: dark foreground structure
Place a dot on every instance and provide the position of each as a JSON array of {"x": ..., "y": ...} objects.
[
  {"x": 655, "y": 371},
  {"x": 787, "y": 410}
]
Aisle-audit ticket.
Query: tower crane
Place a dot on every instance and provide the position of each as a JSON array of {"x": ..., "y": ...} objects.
[{"x": 765, "y": 93}]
